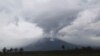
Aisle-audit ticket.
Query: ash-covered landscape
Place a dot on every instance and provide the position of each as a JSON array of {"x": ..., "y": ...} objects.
[{"x": 49, "y": 27}]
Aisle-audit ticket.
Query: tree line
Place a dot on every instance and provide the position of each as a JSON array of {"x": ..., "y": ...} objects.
[
  {"x": 11, "y": 50},
  {"x": 81, "y": 49}
]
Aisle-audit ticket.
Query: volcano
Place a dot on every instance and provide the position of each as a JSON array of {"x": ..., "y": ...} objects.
[{"x": 47, "y": 45}]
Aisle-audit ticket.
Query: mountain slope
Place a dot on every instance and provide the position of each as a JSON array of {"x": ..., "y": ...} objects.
[{"x": 47, "y": 45}]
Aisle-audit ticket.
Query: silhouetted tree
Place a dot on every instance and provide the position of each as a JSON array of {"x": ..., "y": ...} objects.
[
  {"x": 21, "y": 50},
  {"x": 86, "y": 48},
  {"x": 83, "y": 48},
  {"x": 15, "y": 50},
  {"x": 89, "y": 48},
  {"x": 11, "y": 50},
  {"x": 63, "y": 47},
  {"x": 4, "y": 50}
]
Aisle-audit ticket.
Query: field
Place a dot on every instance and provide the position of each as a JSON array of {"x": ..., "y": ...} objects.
[{"x": 53, "y": 53}]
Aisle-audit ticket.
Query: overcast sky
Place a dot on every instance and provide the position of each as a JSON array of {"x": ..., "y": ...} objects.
[{"x": 26, "y": 21}]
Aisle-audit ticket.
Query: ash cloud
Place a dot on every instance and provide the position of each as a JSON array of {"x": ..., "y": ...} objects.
[{"x": 74, "y": 21}]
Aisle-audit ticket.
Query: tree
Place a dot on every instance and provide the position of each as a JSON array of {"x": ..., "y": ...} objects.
[
  {"x": 63, "y": 47},
  {"x": 21, "y": 49},
  {"x": 15, "y": 50},
  {"x": 4, "y": 50},
  {"x": 89, "y": 48},
  {"x": 11, "y": 50}
]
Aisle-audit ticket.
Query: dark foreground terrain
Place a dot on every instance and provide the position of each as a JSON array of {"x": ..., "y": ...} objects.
[
  {"x": 53, "y": 53},
  {"x": 84, "y": 51}
]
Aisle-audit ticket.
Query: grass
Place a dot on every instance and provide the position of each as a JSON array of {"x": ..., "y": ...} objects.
[{"x": 52, "y": 53}]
